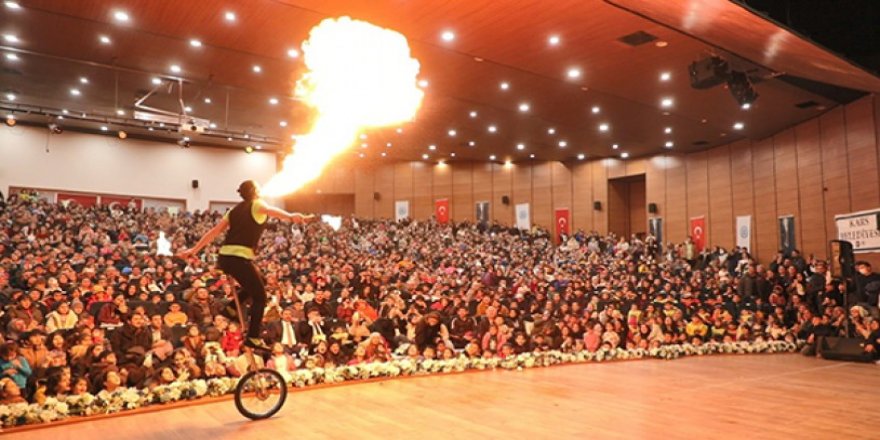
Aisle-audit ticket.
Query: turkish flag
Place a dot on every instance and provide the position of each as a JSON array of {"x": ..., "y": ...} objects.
[
  {"x": 441, "y": 210},
  {"x": 698, "y": 233},
  {"x": 120, "y": 202},
  {"x": 82, "y": 199},
  {"x": 562, "y": 223}
]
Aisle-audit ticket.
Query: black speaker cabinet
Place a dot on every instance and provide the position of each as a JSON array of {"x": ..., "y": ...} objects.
[
  {"x": 195, "y": 184},
  {"x": 376, "y": 196},
  {"x": 597, "y": 205},
  {"x": 842, "y": 349},
  {"x": 652, "y": 208},
  {"x": 505, "y": 200},
  {"x": 842, "y": 259}
]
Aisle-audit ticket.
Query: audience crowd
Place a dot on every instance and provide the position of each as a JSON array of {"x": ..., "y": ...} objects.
[{"x": 88, "y": 305}]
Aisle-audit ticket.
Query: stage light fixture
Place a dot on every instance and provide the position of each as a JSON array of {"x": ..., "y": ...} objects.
[
  {"x": 122, "y": 134},
  {"x": 13, "y": 5},
  {"x": 249, "y": 149},
  {"x": 10, "y": 120},
  {"x": 741, "y": 88}
]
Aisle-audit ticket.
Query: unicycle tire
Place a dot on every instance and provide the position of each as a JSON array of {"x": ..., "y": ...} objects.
[{"x": 260, "y": 400}]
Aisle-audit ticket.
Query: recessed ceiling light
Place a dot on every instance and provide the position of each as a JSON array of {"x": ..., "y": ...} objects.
[
  {"x": 293, "y": 53},
  {"x": 383, "y": 154},
  {"x": 188, "y": 109},
  {"x": 75, "y": 92},
  {"x": 207, "y": 100},
  {"x": 493, "y": 129},
  {"x": 595, "y": 109},
  {"x": 83, "y": 80},
  {"x": 229, "y": 16},
  {"x": 425, "y": 156},
  {"x": 532, "y": 156},
  {"x": 524, "y": 107},
  {"x": 212, "y": 125},
  {"x": 120, "y": 112},
  {"x": 492, "y": 157},
  {"x": 746, "y": 106},
  {"x": 10, "y": 97},
  {"x": 563, "y": 144},
  {"x": 399, "y": 130},
  {"x": 362, "y": 155},
  {"x": 64, "y": 111},
  {"x": 104, "y": 128},
  {"x": 256, "y": 68},
  {"x": 11, "y": 57},
  {"x": 508, "y": 163},
  {"x": 666, "y": 102},
  {"x": 13, "y": 5},
  {"x": 423, "y": 83},
  {"x": 186, "y": 138},
  {"x": 520, "y": 147},
  {"x": 175, "y": 68},
  {"x": 471, "y": 143},
  {"x": 603, "y": 127},
  {"x": 452, "y": 133},
  {"x": 661, "y": 43},
  {"x": 273, "y": 101},
  {"x": 667, "y": 130},
  {"x": 432, "y": 147},
  {"x": 551, "y": 130},
  {"x": 624, "y": 155},
  {"x": 504, "y": 85},
  {"x": 447, "y": 36},
  {"x": 388, "y": 145},
  {"x": 738, "y": 126},
  {"x": 363, "y": 136},
  {"x": 259, "y": 147},
  {"x": 10, "y": 38},
  {"x": 121, "y": 16},
  {"x": 104, "y": 39},
  {"x": 364, "y": 145},
  {"x": 615, "y": 146},
  {"x": 451, "y": 154},
  {"x": 665, "y": 76},
  {"x": 574, "y": 73},
  {"x": 473, "y": 114},
  {"x": 581, "y": 156},
  {"x": 195, "y": 43},
  {"x": 553, "y": 40},
  {"x": 669, "y": 144},
  {"x": 156, "y": 81},
  {"x": 283, "y": 123}
]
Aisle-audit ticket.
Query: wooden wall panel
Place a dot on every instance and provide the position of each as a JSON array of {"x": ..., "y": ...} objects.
[
  {"x": 522, "y": 187},
  {"x": 582, "y": 197},
  {"x": 638, "y": 212},
  {"x": 812, "y": 207},
  {"x": 655, "y": 186},
  {"x": 422, "y": 206},
  {"x": 766, "y": 227},
  {"x": 502, "y": 185},
  {"x": 835, "y": 175},
  {"x": 636, "y": 167},
  {"x": 542, "y": 194},
  {"x": 482, "y": 182},
  {"x": 743, "y": 184},
  {"x": 600, "y": 194},
  {"x": 618, "y": 207},
  {"x": 403, "y": 182},
  {"x": 384, "y": 185},
  {"x": 698, "y": 190},
  {"x": 442, "y": 189},
  {"x": 676, "y": 217},
  {"x": 861, "y": 146},
  {"x": 363, "y": 192},
  {"x": 560, "y": 175},
  {"x": 462, "y": 203},
  {"x": 721, "y": 222},
  {"x": 616, "y": 168},
  {"x": 786, "y": 172}
]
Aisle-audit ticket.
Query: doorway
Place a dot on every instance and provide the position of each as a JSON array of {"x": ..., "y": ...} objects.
[{"x": 627, "y": 213}]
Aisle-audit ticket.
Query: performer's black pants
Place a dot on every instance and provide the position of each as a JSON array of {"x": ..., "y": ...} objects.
[{"x": 246, "y": 273}]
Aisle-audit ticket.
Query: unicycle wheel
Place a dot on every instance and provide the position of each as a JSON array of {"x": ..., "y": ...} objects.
[{"x": 260, "y": 394}]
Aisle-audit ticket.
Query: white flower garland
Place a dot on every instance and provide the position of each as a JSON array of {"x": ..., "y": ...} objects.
[{"x": 131, "y": 398}]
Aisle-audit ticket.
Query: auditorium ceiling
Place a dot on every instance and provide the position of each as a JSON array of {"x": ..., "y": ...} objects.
[{"x": 506, "y": 80}]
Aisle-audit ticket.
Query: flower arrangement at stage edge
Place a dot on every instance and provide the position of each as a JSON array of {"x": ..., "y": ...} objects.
[{"x": 129, "y": 398}]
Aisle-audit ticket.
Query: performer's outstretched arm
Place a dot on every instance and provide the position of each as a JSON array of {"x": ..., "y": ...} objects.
[
  {"x": 294, "y": 217},
  {"x": 207, "y": 238}
]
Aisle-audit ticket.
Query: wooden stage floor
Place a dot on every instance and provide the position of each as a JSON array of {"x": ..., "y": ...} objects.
[{"x": 751, "y": 396}]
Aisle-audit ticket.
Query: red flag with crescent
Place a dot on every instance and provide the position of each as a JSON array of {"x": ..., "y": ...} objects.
[
  {"x": 441, "y": 210},
  {"x": 698, "y": 233},
  {"x": 563, "y": 220}
]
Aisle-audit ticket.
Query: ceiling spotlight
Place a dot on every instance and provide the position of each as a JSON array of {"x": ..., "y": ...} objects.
[
  {"x": 212, "y": 125},
  {"x": 75, "y": 92},
  {"x": 423, "y": 83},
  {"x": 624, "y": 155},
  {"x": 64, "y": 111},
  {"x": 441, "y": 162},
  {"x": 258, "y": 146},
  {"x": 156, "y": 81},
  {"x": 175, "y": 68},
  {"x": 553, "y": 40},
  {"x": 603, "y": 127},
  {"x": 493, "y": 129},
  {"x": 184, "y": 142},
  {"x": 471, "y": 143},
  {"x": 741, "y": 88},
  {"x": 10, "y": 38},
  {"x": 273, "y": 101},
  {"x": 383, "y": 154},
  {"x": 452, "y": 133},
  {"x": 492, "y": 157},
  {"x": 661, "y": 43},
  {"x": 10, "y": 120},
  {"x": 520, "y": 147},
  {"x": 574, "y": 73},
  {"x": 283, "y": 123},
  {"x": 447, "y": 36},
  {"x": 293, "y": 53},
  {"x": 55, "y": 128},
  {"x": 229, "y": 16},
  {"x": 399, "y": 130},
  {"x": 104, "y": 39},
  {"x": 207, "y": 100},
  {"x": 738, "y": 126},
  {"x": 188, "y": 109},
  {"x": 551, "y": 130},
  {"x": 186, "y": 138},
  {"x": 256, "y": 68},
  {"x": 669, "y": 144},
  {"x": 524, "y": 107},
  {"x": 249, "y": 149},
  {"x": 595, "y": 109},
  {"x": 581, "y": 156},
  {"x": 11, "y": 57},
  {"x": 83, "y": 80},
  {"x": 746, "y": 106},
  {"x": 615, "y": 146},
  {"x": 10, "y": 97},
  {"x": 122, "y": 134},
  {"x": 665, "y": 76},
  {"x": 121, "y": 16},
  {"x": 532, "y": 156},
  {"x": 364, "y": 145},
  {"x": 451, "y": 154},
  {"x": 388, "y": 145},
  {"x": 473, "y": 114},
  {"x": 563, "y": 144},
  {"x": 104, "y": 128},
  {"x": 504, "y": 85},
  {"x": 13, "y": 5},
  {"x": 363, "y": 136},
  {"x": 667, "y": 130},
  {"x": 666, "y": 102},
  {"x": 432, "y": 147},
  {"x": 120, "y": 112},
  {"x": 195, "y": 43},
  {"x": 425, "y": 156}
]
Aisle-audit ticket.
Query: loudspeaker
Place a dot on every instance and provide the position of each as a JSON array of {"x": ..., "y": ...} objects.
[
  {"x": 376, "y": 196},
  {"x": 505, "y": 200},
  {"x": 652, "y": 208},
  {"x": 842, "y": 349},
  {"x": 597, "y": 205},
  {"x": 195, "y": 184},
  {"x": 843, "y": 261}
]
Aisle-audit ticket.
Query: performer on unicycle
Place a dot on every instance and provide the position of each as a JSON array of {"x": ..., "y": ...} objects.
[{"x": 246, "y": 222}]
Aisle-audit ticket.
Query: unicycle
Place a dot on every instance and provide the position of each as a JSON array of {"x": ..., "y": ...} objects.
[{"x": 261, "y": 392}]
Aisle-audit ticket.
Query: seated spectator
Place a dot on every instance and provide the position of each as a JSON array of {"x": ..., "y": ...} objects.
[
  {"x": 281, "y": 362},
  {"x": 232, "y": 339},
  {"x": 62, "y": 318},
  {"x": 175, "y": 316},
  {"x": 14, "y": 366},
  {"x": 10, "y": 392}
]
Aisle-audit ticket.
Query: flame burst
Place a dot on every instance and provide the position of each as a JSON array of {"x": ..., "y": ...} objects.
[{"x": 359, "y": 76}]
